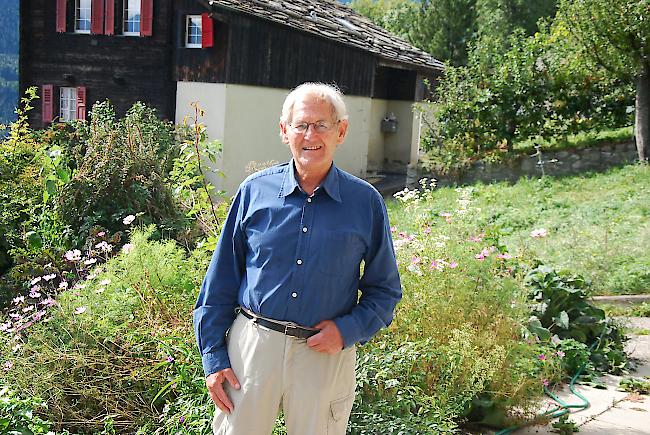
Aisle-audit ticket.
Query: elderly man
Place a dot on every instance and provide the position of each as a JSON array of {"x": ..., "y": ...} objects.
[{"x": 279, "y": 311}]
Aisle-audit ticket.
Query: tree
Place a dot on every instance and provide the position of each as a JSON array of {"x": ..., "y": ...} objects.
[{"x": 616, "y": 35}]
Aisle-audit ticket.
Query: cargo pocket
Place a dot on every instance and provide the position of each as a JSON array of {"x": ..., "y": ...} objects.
[{"x": 339, "y": 415}]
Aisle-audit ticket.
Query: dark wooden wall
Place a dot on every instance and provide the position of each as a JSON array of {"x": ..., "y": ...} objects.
[
  {"x": 263, "y": 53},
  {"x": 123, "y": 69},
  {"x": 199, "y": 64}
]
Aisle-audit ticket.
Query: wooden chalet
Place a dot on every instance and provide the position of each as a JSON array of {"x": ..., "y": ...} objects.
[{"x": 238, "y": 59}]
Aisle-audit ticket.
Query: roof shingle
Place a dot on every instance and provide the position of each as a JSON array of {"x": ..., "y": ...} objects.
[{"x": 335, "y": 21}]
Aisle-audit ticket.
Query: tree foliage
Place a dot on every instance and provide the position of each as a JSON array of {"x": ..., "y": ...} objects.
[{"x": 615, "y": 34}]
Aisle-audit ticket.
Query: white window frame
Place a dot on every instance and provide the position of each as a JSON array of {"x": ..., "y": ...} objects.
[
  {"x": 80, "y": 5},
  {"x": 125, "y": 20},
  {"x": 188, "y": 20},
  {"x": 67, "y": 104}
]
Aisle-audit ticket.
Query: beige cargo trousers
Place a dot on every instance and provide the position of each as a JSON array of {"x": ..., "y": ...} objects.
[{"x": 315, "y": 390}]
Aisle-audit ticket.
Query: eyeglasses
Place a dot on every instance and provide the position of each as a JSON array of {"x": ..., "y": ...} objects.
[{"x": 319, "y": 126}]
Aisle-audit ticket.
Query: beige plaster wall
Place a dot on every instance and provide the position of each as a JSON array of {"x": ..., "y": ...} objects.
[
  {"x": 245, "y": 119},
  {"x": 400, "y": 147},
  {"x": 376, "y": 137}
]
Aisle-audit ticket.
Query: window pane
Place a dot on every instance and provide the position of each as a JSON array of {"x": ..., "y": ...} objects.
[
  {"x": 194, "y": 29},
  {"x": 132, "y": 16},
  {"x": 68, "y": 104}
]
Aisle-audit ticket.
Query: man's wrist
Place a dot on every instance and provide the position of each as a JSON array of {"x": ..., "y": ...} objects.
[{"x": 214, "y": 362}]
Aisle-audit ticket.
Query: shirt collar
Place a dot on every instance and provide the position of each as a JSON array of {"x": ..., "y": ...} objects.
[{"x": 330, "y": 184}]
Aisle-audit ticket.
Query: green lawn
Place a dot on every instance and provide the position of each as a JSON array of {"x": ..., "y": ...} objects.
[{"x": 598, "y": 224}]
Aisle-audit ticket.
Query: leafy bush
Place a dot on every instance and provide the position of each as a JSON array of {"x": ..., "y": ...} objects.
[
  {"x": 562, "y": 308},
  {"x": 119, "y": 169},
  {"x": 529, "y": 88},
  {"x": 103, "y": 349},
  {"x": 457, "y": 347},
  {"x": 17, "y": 415}
]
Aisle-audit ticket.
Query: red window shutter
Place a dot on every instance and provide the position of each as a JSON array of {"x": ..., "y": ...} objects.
[
  {"x": 60, "y": 15},
  {"x": 207, "y": 31},
  {"x": 81, "y": 102},
  {"x": 48, "y": 104},
  {"x": 146, "y": 17},
  {"x": 109, "y": 18},
  {"x": 97, "y": 17}
]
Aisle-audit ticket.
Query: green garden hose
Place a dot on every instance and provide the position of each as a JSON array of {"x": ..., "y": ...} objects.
[{"x": 562, "y": 408}]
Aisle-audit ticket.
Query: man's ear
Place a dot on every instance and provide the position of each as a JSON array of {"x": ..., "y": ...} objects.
[
  {"x": 342, "y": 131},
  {"x": 283, "y": 133}
]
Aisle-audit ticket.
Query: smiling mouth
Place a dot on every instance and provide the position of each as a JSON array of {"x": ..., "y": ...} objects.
[{"x": 315, "y": 148}]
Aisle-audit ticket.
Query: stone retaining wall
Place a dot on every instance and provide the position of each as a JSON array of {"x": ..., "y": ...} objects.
[{"x": 556, "y": 163}]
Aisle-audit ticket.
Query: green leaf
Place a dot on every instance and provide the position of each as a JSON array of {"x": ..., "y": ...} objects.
[
  {"x": 562, "y": 320},
  {"x": 34, "y": 239}
]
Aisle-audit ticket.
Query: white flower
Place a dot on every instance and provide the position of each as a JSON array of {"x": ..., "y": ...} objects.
[
  {"x": 127, "y": 248},
  {"x": 49, "y": 277},
  {"x": 105, "y": 282},
  {"x": 90, "y": 261},
  {"x": 80, "y": 310},
  {"x": 104, "y": 246},
  {"x": 539, "y": 233},
  {"x": 35, "y": 280},
  {"x": 63, "y": 284},
  {"x": 74, "y": 255},
  {"x": 128, "y": 220}
]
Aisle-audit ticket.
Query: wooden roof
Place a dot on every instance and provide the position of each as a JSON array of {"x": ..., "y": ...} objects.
[{"x": 337, "y": 22}]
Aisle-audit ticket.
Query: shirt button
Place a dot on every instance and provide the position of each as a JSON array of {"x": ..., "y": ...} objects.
[
  {"x": 299, "y": 261},
  {"x": 308, "y": 199},
  {"x": 304, "y": 229},
  {"x": 294, "y": 295}
]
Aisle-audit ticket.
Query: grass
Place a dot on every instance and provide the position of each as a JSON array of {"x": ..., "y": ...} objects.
[
  {"x": 637, "y": 310},
  {"x": 598, "y": 224},
  {"x": 579, "y": 140}
]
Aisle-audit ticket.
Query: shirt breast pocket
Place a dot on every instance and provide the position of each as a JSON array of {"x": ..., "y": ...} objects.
[{"x": 340, "y": 253}]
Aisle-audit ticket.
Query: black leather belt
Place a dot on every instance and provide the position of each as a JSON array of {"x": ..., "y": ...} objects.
[{"x": 287, "y": 328}]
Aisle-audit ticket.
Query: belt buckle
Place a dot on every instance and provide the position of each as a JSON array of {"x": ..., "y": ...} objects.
[{"x": 288, "y": 326}]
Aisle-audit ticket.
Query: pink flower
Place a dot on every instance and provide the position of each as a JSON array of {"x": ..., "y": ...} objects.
[
  {"x": 480, "y": 257},
  {"x": 80, "y": 310},
  {"x": 49, "y": 277},
  {"x": 35, "y": 280},
  {"x": 541, "y": 357},
  {"x": 170, "y": 359},
  {"x": 28, "y": 308},
  {"x": 427, "y": 230},
  {"x": 18, "y": 299},
  {"x": 545, "y": 382},
  {"x": 38, "y": 315},
  {"x": 539, "y": 233},
  {"x": 127, "y": 248},
  {"x": 49, "y": 302},
  {"x": 446, "y": 215},
  {"x": 415, "y": 260},
  {"x": 504, "y": 256},
  {"x": 392, "y": 230},
  {"x": 560, "y": 354},
  {"x": 34, "y": 293},
  {"x": 128, "y": 220},
  {"x": 101, "y": 234},
  {"x": 8, "y": 366},
  {"x": 73, "y": 255},
  {"x": 63, "y": 284},
  {"x": 477, "y": 239},
  {"x": 453, "y": 265}
]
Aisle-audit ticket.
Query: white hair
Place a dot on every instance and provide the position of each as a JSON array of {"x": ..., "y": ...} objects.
[{"x": 329, "y": 93}]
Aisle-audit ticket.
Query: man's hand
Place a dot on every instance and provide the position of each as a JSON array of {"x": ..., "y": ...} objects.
[
  {"x": 215, "y": 382},
  {"x": 328, "y": 340}
]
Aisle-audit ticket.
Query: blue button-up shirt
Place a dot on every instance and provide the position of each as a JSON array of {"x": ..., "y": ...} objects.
[{"x": 293, "y": 257}]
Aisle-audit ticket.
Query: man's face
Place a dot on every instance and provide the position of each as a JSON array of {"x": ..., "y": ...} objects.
[{"x": 313, "y": 150}]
